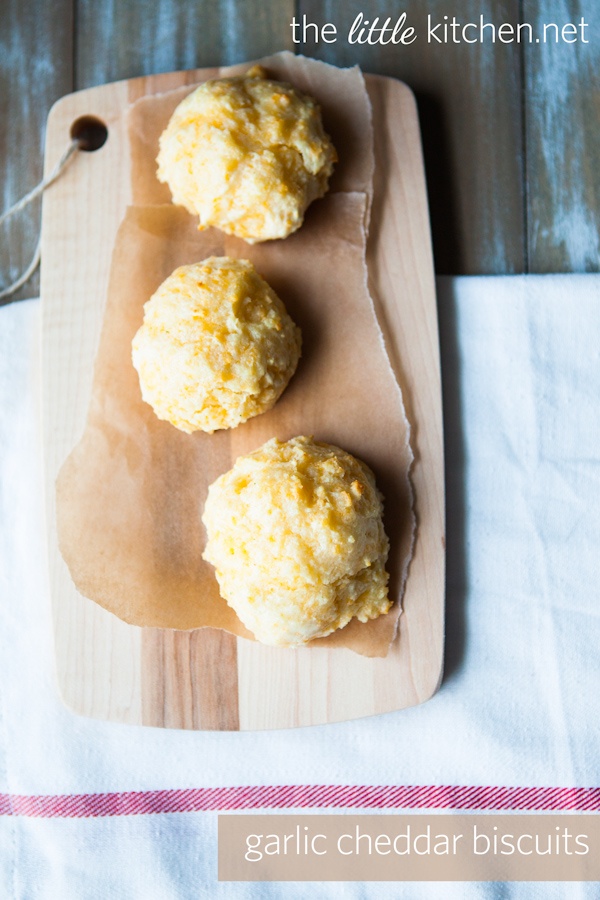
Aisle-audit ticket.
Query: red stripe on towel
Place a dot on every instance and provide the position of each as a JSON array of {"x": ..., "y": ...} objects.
[{"x": 455, "y": 797}]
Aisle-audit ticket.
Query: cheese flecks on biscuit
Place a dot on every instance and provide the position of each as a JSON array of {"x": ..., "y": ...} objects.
[
  {"x": 216, "y": 346},
  {"x": 296, "y": 537},
  {"x": 247, "y": 155}
]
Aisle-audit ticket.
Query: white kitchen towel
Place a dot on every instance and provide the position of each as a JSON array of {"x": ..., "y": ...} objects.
[{"x": 514, "y": 723}]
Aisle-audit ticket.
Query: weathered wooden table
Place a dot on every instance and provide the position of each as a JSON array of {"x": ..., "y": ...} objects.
[{"x": 511, "y": 130}]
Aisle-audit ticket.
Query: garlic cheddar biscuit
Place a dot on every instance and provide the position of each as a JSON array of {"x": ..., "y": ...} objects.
[
  {"x": 216, "y": 346},
  {"x": 247, "y": 155},
  {"x": 295, "y": 534}
]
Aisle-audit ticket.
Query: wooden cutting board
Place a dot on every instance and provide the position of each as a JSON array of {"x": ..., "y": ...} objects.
[{"x": 207, "y": 679}]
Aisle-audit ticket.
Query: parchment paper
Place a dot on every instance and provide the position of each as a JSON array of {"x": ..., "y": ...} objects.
[{"x": 130, "y": 495}]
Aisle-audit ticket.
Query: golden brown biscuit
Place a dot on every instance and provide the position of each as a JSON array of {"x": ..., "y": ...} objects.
[
  {"x": 247, "y": 155},
  {"x": 295, "y": 534},
  {"x": 216, "y": 346}
]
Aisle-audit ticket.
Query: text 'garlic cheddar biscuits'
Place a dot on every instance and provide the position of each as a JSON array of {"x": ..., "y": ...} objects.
[
  {"x": 247, "y": 155},
  {"x": 216, "y": 347},
  {"x": 296, "y": 537}
]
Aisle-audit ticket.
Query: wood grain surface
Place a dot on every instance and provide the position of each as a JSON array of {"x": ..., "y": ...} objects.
[
  {"x": 206, "y": 679},
  {"x": 132, "y": 38},
  {"x": 36, "y": 55},
  {"x": 510, "y": 132},
  {"x": 562, "y": 117}
]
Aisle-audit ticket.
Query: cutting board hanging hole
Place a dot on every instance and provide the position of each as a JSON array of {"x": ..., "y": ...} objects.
[{"x": 90, "y": 133}]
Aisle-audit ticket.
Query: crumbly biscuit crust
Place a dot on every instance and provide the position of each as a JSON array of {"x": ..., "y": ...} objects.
[
  {"x": 216, "y": 347},
  {"x": 247, "y": 155},
  {"x": 295, "y": 534}
]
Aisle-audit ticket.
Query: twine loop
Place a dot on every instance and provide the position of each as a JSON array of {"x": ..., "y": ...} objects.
[{"x": 24, "y": 202}]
